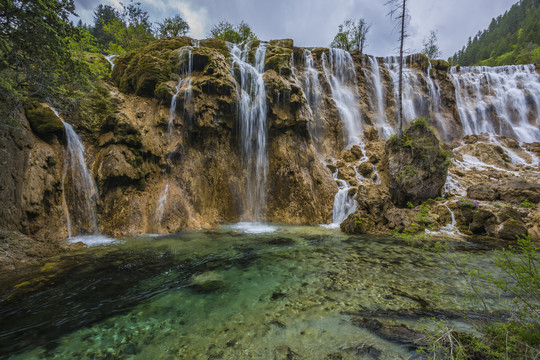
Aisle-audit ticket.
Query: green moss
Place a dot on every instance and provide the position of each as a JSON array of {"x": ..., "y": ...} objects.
[
  {"x": 527, "y": 204},
  {"x": 43, "y": 121}
]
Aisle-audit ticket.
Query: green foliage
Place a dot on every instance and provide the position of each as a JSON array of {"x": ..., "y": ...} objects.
[
  {"x": 410, "y": 205},
  {"x": 175, "y": 26},
  {"x": 121, "y": 31},
  {"x": 431, "y": 49},
  {"x": 527, "y": 204},
  {"x": 35, "y": 61},
  {"x": 351, "y": 36},
  {"x": 235, "y": 34},
  {"x": 516, "y": 338},
  {"x": 466, "y": 203},
  {"x": 512, "y": 38}
]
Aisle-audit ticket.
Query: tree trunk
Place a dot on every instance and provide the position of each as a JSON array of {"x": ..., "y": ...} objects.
[{"x": 400, "y": 114}]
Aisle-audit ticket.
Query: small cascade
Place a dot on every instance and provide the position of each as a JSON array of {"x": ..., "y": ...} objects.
[
  {"x": 449, "y": 229},
  {"x": 502, "y": 100},
  {"x": 81, "y": 210},
  {"x": 385, "y": 130},
  {"x": 311, "y": 84},
  {"x": 435, "y": 96},
  {"x": 111, "y": 58},
  {"x": 253, "y": 129},
  {"x": 184, "y": 84},
  {"x": 344, "y": 204},
  {"x": 341, "y": 76},
  {"x": 161, "y": 204}
]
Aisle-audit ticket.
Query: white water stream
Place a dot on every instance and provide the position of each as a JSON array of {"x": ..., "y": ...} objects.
[{"x": 252, "y": 114}]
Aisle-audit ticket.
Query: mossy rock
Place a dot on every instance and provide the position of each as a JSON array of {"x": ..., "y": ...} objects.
[
  {"x": 420, "y": 61},
  {"x": 216, "y": 44},
  {"x": 141, "y": 71},
  {"x": 441, "y": 65},
  {"x": 43, "y": 121},
  {"x": 165, "y": 91},
  {"x": 417, "y": 164},
  {"x": 284, "y": 43}
]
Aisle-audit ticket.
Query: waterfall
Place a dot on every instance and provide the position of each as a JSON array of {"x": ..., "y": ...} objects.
[
  {"x": 84, "y": 192},
  {"x": 110, "y": 59},
  {"x": 413, "y": 102},
  {"x": 502, "y": 100},
  {"x": 252, "y": 113},
  {"x": 161, "y": 204},
  {"x": 186, "y": 58},
  {"x": 344, "y": 204},
  {"x": 341, "y": 76},
  {"x": 385, "y": 130}
]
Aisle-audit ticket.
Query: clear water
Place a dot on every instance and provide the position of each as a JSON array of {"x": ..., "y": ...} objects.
[{"x": 294, "y": 292}]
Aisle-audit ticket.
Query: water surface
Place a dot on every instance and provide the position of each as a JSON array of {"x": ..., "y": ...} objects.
[{"x": 234, "y": 293}]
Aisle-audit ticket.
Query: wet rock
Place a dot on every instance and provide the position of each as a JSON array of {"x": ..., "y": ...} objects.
[
  {"x": 365, "y": 168},
  {"x": 44, "y": 121},
  {"x": 357, "y": 151},
  {"x": 417, "y": 165},
  {"x": 482, "y": 192},
  {"x": 482, "y": 220},
  {"x": 208, "y": 282},
  {"x": 395, "y": 333},
  {"x": 511, "y": 229},
  {"x": 348, "y": 156},
  {"x": 516, "y": 191},
  {"x": 371, "y": 133}
]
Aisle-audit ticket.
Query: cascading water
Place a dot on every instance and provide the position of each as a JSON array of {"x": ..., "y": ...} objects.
[
  {"x": 252, "y": 117},
  {"x": 83, "y": 189},
  {"x": 184, "y": 84},
  {"x": 413, "y": 102},
  {"x": 502, "y": 100},
  {"x": 385, "y": 130},
  {"x": 341, "y": 76},
  {"x": 344, "y": 204},
  {"x": 110, "y": 59}
]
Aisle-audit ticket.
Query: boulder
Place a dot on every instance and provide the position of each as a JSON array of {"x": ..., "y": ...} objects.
[
  {"x": 365, "y": 168},
  {"x": 43, "y": 121},
  {"x": 483, "y": 192},
  {"x": 511, "y": 229},
  {"x": 517, "y": 191},
  {"x": 417, "y": 164}
]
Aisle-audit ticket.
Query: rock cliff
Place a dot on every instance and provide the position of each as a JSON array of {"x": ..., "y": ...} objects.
[{"x": 160, "y": 170}]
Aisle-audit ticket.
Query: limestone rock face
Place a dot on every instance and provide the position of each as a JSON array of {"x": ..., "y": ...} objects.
[{"x": 417, "y": 165}]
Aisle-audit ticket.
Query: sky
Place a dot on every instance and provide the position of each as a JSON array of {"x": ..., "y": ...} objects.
[{"x": 314, "y": 23}]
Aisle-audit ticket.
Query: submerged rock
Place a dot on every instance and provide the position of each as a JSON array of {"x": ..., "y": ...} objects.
[{"x": 208, "y": 282}]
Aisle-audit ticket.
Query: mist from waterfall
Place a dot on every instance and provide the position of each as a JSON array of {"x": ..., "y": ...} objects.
[{"x": 252, "y": 112}]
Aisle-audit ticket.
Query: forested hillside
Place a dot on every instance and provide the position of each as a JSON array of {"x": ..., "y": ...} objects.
[{"x": 512, "y": 38}]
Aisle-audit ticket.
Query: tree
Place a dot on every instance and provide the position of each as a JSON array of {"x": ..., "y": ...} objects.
[
  {"x": 127, "y": 29},
  {"x": 398, "y": 11},
  {"x": 351, "y": 35},
  {"x": 175, "y": 26},
  {"x": 431, "y": 49},
  {"x": 228, "y": 32},
  {"x": 104, "y": 15},
  {"x": 35, "y": 60}
]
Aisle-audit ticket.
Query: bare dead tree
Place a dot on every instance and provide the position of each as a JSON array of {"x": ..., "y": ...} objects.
[{"x": 398, "y": 12}]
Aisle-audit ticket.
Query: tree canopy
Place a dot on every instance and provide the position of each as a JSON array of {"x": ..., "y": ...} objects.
[
  {"x": 236, "y": 34},
  {"x": 35, "y": 61},
  {"x": 175, "y": 26},
  {"x": 351, "y": 35},
  {"x": 512, "y": 38}
]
